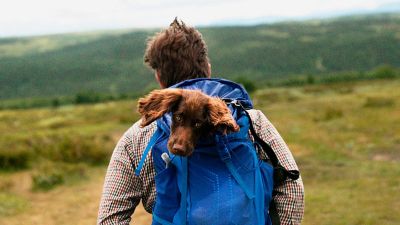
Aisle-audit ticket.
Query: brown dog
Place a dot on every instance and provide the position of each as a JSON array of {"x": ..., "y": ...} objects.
[{"x": 194, "y": 114}]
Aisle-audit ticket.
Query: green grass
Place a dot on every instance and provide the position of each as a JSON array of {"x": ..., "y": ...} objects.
[
  {"x": 347, "y": 147},
  {"x": 11, "y": 204},
  {"x": 84, "y": 133},
  {"x": 15, "y": 47}
]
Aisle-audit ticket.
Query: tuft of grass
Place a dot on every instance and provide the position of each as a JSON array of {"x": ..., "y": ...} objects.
[
  {"x": 379, "y": 102},
  {"x": 47, "y": 180},
  {"x": 50, "y": 175},
  {"x": 275, "y": 96},
  {"x": 314, "y": 89},
  {"x": 345, "y": 89},
  {"x": 329, "y": 113},
  {"x": 342, "y": 88},
  {"x": 333, "y": 113}
]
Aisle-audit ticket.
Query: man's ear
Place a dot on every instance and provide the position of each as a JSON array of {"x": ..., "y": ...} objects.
[
  {"x": 209, "y": 70},
  {"x": 157, "y": 103},
  {"x": 220, "y": 116},
  {"x": 157, "y": 74}
]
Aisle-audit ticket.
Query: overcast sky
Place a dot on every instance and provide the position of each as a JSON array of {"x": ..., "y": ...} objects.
[{"x": 34, "y": 17}]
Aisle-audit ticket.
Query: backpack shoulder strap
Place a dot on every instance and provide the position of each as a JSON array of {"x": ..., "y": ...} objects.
[
  {"x": 280, "y": 173},
  {"x": 150, "y": 145}
]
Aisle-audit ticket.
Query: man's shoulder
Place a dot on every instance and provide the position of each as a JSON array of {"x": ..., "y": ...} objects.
[
  {"x": 262, "y": 125},
  {"x": 257, "y": 116},
  {"x": 136, "y": 138}
]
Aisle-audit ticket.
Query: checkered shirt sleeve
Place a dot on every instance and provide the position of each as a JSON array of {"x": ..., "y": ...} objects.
[
  {"x": 123, "y": 190},
  {"x": 290, "y": 195}
]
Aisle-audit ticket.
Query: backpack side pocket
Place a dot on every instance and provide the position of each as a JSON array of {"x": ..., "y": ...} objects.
[{"x": 167, "y": 195}]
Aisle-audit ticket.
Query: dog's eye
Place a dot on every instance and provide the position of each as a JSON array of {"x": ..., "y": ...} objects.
[
  {"x": 178, "y": 118},
  {"x": 197, "y": 125}
]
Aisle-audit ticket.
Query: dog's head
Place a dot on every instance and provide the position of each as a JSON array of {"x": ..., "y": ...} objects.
[{"x": 194, "y": 114}]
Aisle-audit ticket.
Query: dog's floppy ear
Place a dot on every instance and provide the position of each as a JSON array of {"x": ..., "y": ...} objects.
[
  {"x": 220, "y": 116},
  {"x": 157, "y": 103}
]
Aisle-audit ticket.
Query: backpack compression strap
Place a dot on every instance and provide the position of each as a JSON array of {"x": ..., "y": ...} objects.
[{"x": 225, "y": 156}]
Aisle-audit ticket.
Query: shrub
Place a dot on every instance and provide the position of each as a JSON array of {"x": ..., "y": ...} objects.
[
  {"x": 87, "y": 97},
  {"x": 14, "y": 159},
  {"x": 310, "y": 79},
  {"x": 55, "y": 102},
  {"x": 47, "y": 180},
  {"x": 384, "y": 71}
]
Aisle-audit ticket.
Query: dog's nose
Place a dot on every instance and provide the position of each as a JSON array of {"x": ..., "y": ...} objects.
[{"x": 178, "y": 148}]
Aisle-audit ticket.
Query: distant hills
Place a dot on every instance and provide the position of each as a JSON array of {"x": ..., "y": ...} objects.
[{"x": 112, "y": 62}]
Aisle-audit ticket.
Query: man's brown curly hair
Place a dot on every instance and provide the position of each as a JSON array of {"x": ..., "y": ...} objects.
[{"x": 177, "y": 53}]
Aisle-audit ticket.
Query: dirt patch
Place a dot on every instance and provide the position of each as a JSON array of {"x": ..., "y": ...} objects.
[
  {"x": 67, "y": 204},
  {"x": 386, "y": 157}
]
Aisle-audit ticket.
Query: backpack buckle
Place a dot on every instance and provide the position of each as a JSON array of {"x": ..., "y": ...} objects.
[
  {"x": 281, "y": 175},
  {"x": 236, "y": 103}
]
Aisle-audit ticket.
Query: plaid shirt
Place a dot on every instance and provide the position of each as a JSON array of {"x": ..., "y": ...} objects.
[{"x": 123, "y": 190}]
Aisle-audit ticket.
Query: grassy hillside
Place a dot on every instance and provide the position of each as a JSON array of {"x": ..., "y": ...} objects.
[
  {"x": 345, "y": 138},
  {"x": 112, "y": 63},
  {"x": 14, "y": 47}
]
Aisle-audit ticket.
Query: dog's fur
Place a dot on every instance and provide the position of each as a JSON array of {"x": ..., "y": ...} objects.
[{"x": 194, "y": 114}]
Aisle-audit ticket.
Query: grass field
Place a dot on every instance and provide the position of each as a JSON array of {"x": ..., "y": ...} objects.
[{"x": 345, "y": 138}]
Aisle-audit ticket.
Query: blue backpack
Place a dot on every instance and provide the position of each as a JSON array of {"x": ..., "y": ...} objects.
[{"x": 223, "y": 181}]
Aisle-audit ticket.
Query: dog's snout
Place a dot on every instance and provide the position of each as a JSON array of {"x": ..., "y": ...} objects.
[{"x": 178, "y": 148}]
